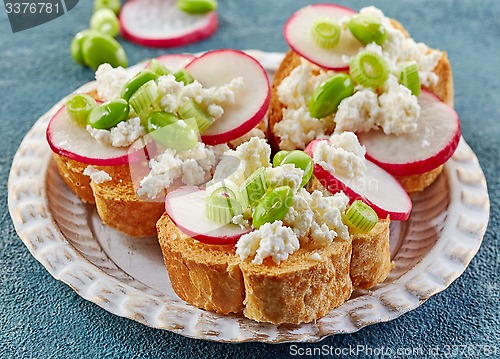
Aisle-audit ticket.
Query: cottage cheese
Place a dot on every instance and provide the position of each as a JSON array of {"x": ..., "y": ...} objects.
[
  {"x": 110, "y": 81},
  {"x": 173, "y": 94},
  {"x": 342, "y": 155},
  {"x": 270, "y": 240},
  {"x": 237, "y": 165},
  {"x": 298, "y": 128},
  {"x": 96, "y": 175},
  {"x": 285, "y": 175},
  {"x": 122, "y": 135},
  {"x": 317, "y": 217},
  {"x": 194, "y": 167}
]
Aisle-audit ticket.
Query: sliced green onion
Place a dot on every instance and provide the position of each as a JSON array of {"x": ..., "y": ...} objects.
[
  {"x": 184, "y": 77},
  {"x": 409, "y": 77},
  {"x": 226, "y": 185},
  {"x": 190, "y": 109},
  {"x": 180, "y": 135},
  {"x": 158, "y": 68},
  {"x": 144, "y": 98},
  {"x": 79, "y": 107},
  {"x": 278, "y": 157},
  {"x": 325, "y": 32},
  {"x": 105, "y": 20},
  {"x": 361, "y": 217},
  {"x": 109, "y": 114},
  {"x": 326, "y": 98},
  {"x": 221, "y": 206},
  {"x": 301, "y": 160},
  {"x": 136, "y": 82},
  {"x": 114, "y": 5},
  {"x": 366, "y": 29},
  {"x": 197, "y": 6},
  {"x": 369, "y": 69},
  {"x": 273, "y": 206},
  {"x": 254, "y": 187}
]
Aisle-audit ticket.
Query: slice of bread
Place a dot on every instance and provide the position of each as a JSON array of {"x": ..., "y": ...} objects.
[
  {"x": 300, "y": 289},
  {"x": 371, "y": 256},
  {"x": 116, "y": 201},
  {"x": 443, "y": 89}
]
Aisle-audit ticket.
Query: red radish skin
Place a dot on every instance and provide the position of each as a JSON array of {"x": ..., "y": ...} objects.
[
  {"x": 132, "y": 9},
  {"x": 252, "y": 101},
  {"x": 387, "y": 188},
  {"x": 439, "y": 127},
  {"x": 186, "y": 208},
  {"x": 174, "y": 61},
  {"x": 70, "y": 140},
  {"x": 297, "y": 35}
]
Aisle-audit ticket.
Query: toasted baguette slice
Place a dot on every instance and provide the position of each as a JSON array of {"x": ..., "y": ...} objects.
[
  {"x": 443, "y": 89},
  {"x": 298, "y": 290},
  {"x": 71, "y": 172},
  {"x": 116, "y": 201},
  {"x": 371, "y": 257}
]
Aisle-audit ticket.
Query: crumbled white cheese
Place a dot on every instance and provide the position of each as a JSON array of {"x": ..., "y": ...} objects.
[
  {"x": 396, "y": 110},
  {"x": 300, "y": 216},
  {"x": 97, "y": 176},
  {"x": 342, "y": 155},
  {"x": 317, "y": 217},
  {"x": 110, "y": 81},
  {"x": 316, "y": 256},
  {"x": 270, "y": 240},
  {"x": 285, "y": 175},
  {"x": 194, "y": 167},
  {"x": 122, "y": 135},
  {"x": 327, "y": 224},
  {"x": 359, "y": 112},
  {"x": 173, "y": 94},
  {"x": 298, "y": 128},
  {"x": 237, "y": 165},
  {"x": 399, "y": 108},
  {"x": 241, "y": 221},
  {"x": 397, "y": 48}
]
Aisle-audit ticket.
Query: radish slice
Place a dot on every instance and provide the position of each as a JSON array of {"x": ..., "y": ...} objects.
[
  {"x": 68, "y": 139},
  {"x": 219, "y": 67},
  {"x": 186, "y": 208},
  {"x": 298, "y": 36},
  {"x": 159, "y": 23},
  {"x": 376, "y": 187},
  {"x": 430, "y": 146},
  {"x": 174, "y": 61}
]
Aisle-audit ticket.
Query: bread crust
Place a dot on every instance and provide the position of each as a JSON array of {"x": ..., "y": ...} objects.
[
  {"x": 371, "y": 256},
  {"x": 116, "y": 201},
  {"x": 300, "y": 289}
]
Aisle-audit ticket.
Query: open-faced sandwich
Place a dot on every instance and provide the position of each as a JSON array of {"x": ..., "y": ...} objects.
[
  {"x": 361, "y": 72},
  {"x": 360, "y": 116},
  {"x": 122, "y": 145},
  {"x": 279, "y": 221}
]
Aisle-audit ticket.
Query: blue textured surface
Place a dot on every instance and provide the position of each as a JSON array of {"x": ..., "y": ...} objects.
[{"x": 44, "y": 318}]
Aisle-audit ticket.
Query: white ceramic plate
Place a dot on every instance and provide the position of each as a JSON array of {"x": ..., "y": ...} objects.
[{"x": 126, "y": 276}]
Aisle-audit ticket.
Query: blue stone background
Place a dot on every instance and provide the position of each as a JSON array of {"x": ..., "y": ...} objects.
[{"x": 43, "y": 318}]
